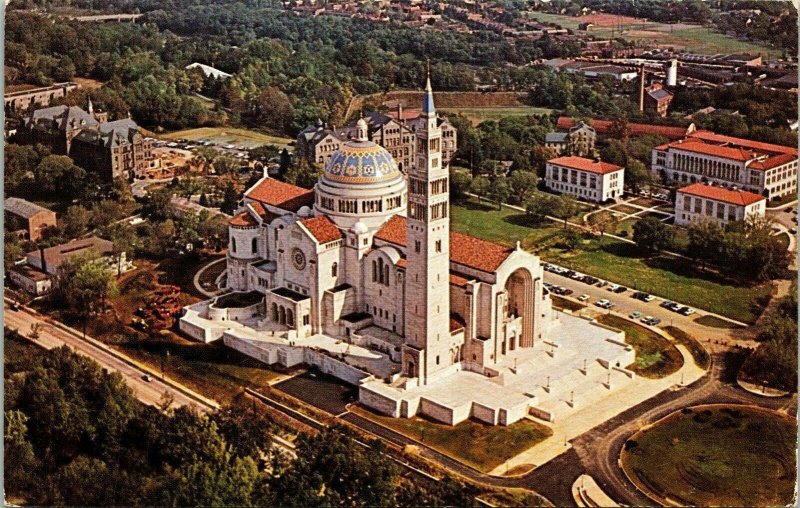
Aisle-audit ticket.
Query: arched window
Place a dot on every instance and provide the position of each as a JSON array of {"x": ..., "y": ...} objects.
[
  {"x": 380, "y": 270},
  {"x": 334, "y": 269},
  {"x": 374, "y": 271},
  {"x": 233, "y": 244},
  {"x": 386, "y": 275},
  {"x": 254, "y": 245}
]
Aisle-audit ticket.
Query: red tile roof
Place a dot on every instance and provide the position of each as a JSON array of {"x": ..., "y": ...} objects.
[
  {"x": 726, "y": 152},
  {"x": 734, "y": 197},
  {"x": 634, "y": 129},
  {"x": 745, "y": 143},
  {"x": 464, "y": 249},
  {"x": 265, "y": 215},
  {"x": 458, "y": 280},
  {"x": 244, "y": 220},
  {"x": 322, "y": 229},
  {"x": 584, "y": 164},
  {"x": 456, "y": 322},
  {"x": 774, "y": 161},
  {"x": 281, "y": 195}
]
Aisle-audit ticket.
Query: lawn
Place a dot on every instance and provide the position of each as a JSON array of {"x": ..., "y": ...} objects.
[
  {"x": 656, "y": 357},
  {"x": 698, "y": 39},
  {"x": 699, "y": 354},
  {"x": 715, "y": 322},
  {"x": 478, "y": 115},
  {"x": 476, "y": 444},
  {"x": 230, "y": 135},
  {"x": 626, "y": 225},
  {"x": 716, "y": 456},
  {"x": 626, "y": 209},
  {"x": 616, "y": 261},
  {"x": 664, "y": 276}
]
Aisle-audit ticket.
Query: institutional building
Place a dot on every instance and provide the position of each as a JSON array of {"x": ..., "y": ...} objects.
[
  {"x": 578, "y": 140},
  {"x": 657, "y": 98},
  {"x": 318, "y": 143},
  {"x": 707, "y": 202},
  {"x": 23, "y": 100},
  {"x": 588, "y": 179},
  {"x": 111, "y": 149},
  {"x": 28, "y": 220},
  {"x": 362, "y": 278},
  {"x": 705, "y": 157}
]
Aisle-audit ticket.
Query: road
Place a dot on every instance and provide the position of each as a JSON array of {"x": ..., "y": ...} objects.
[
  {"x": 50, "y": 337},
  {"x": 137, "y": 187}
]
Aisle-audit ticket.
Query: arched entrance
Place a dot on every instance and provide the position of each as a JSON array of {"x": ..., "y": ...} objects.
[{"x": 519, "y": 288}]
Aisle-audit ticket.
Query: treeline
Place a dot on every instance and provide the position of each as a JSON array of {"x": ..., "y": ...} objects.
[
  {"x": 76, "y": 435},
  {"x": 693, "y": 11},
  {"x": 774, "y": 362}
]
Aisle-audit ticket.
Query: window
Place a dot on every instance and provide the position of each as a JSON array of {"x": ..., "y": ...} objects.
[
  {"x": 687, "y": 203},
  {"x": 233, "y": 244},
  {"x": 334, "y": 269},
  {"x": 437, "y": 359},
  {"x": 254, "y": 246},
  {"x": 438, "y": 246},
  {"x": 417, "y": 246}
]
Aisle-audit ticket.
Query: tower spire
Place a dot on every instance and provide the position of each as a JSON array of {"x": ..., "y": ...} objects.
[{"x": 427, "y": 104}]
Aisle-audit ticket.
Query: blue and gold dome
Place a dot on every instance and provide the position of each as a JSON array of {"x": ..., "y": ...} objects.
[{"x": 361, "y": 161}]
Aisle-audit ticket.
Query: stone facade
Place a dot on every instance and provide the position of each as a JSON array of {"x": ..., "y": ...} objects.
[
  {"x": 705, "y": 202},
  {"x": 318, "y": 143},
  {"x": 23, "y": 100},
  {"x": 726, "y": 161},
  {"x": 111, "y": 149},
  {"x": 28, "y": 219},
  {"x": 366, "y": 261},
  {"x": 587, "y": 179},
  {"x": 579, "y": 140}
]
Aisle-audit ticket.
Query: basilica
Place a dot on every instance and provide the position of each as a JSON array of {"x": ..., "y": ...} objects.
[{"x": 363, "y": 278}]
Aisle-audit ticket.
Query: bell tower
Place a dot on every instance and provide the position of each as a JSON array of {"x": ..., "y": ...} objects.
[{"x": 427, "y": 316}]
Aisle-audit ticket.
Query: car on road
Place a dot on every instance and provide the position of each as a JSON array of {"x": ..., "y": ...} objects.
[
  {"x": 604, "y": 304},
  {"x": 686, "y": 311},
  {"x": 650, "y": 320},
  {"x": 635, "y": 315},
  {"x": 583, "y": 298},
  {"x": 147, "y": 378}
]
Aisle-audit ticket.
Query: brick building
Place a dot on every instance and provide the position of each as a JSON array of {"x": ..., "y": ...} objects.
[
  {"x": 699, "y": 201},
  {"x": 27, "y": 219},
  {"x": 588, "y": 179},
  {"x": 23, "y": 99}
]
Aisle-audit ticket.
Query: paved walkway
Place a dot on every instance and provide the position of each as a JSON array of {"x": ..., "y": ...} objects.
[
  {"x": 586, "y": 492},
  {"x": 196, "y": 279},
  {"x": 586, "y": 417}
]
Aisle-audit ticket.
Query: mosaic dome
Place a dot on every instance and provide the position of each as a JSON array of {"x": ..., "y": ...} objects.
[{"x": 361, "y": 162}]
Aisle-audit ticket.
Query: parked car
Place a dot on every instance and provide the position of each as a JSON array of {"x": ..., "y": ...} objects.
[
  {"x": 666, "y": 303},
  {"x": 620, "y": 289},
  {"x": 650, "y": 320},
  {"x": 641, "y": 295},
  {"x": 566, "y": 291},
  {"x": 635, "y": 315},
  {"x": 147, "y": 378},
  {"x": 675, "y": 307},
  {"x": 590, "y": 280},
  {"x": 686, "y": 311},
  {"x": 583, "y": 297},
  {"x": 612, "y": 287},
  {"x": 604, "y": 304}
]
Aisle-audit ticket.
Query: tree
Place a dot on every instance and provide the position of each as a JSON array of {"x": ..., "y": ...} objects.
[
  {"x": 570, "y": 239},
  {"x": 158, "y": 205},
  {"x": 636, "y": 175},
  {"x": 565, "y": 207},
  {"x": 19, "y": 459},
  {"x": 522, "y": 184},
  {"x": 705, "y": 240},
  {"x": 284, "y": 164},
  {"x": 652, "y": 235},
  {"x": 602, "y": 221},
  {"x": 74, "y": 221},
  {"x": 460, "y": 182},
  {"x": 230, "y": 199},
  {"x": 206, "y": 156},
  {"x": 500, "y": 191},
  {"x": 57, "y": 174},
  {"x": 539, "y": 206},
  {"x": 480, "y": 186},
  {"x": 89, "y": 287},
  {"x": 226, "y": 165}
]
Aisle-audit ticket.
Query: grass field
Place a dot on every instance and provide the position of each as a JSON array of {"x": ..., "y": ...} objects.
[
  {"x": 696, "y": 38},
  {"x": 478, "y": 115},
  {"x": 616, "y": 261},
  {"x": 715, "y": 322},
  {"x": 563, "y": 303},
  {"x": 716, "y": 456},
  {"x": 481, "y": 446},
  {"x": 625, "y": 209},
  {"x": 230, "y": 135},
  {"x": 656, "y": 357},
  {"x": 699, "y": 354}
]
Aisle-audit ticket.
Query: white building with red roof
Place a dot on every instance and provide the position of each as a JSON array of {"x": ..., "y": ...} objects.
[
  {"x": 705, "y": 157},
  {"x": 587, "y": 179},
  {"x": 707, "y": 202},
  {"x": 362, "y": 278}
]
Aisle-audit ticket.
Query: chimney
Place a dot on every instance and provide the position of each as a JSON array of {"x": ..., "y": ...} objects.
[
  {"x": 641, "y": 88},
  {"x": 400, "y": 113},
  {"x": 44, "y": 261}
]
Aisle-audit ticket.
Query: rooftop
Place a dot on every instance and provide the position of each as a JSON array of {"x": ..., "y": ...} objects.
[
  {"x": 281, "y": 195},
  {"x": 634, "y": 129},
  {"x": 584, "y": 164},
  {"x": 24, "y": 208},
  {"x": 734, "y": 197},
  {"x": 55, "y": 256},
  {"x": 322, "y": 229}
]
